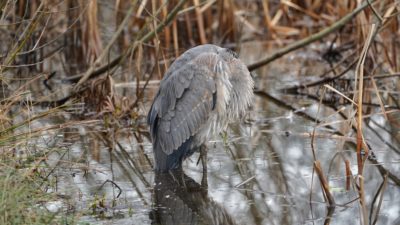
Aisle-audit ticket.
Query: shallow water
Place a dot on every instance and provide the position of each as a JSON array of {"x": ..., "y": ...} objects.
[{"x": 261, "y": 174}]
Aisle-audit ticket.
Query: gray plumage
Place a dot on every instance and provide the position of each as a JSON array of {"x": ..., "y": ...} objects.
[
  {"x": 204, "y": 89},
  {"x": 184, "y": 201}
]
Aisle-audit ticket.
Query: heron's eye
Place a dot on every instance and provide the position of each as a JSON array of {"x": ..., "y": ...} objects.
[{"x": 233, "y": 53}]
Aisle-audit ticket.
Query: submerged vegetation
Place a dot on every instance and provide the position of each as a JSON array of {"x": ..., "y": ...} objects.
[{"x": 83, "y": 71}]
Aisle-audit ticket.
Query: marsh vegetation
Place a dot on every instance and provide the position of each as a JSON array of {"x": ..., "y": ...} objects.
[{"x": 320, "y": 144}]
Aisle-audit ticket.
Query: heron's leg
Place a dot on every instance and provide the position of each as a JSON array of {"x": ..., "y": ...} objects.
[
  {"x": 203, "y": 157},
  {"x": 178, "y": 177},
  {"x": 181, "y": 174},
  {"x": 171, "y": 173}
]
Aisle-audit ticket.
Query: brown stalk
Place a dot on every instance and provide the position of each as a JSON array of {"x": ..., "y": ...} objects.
[
  {"x": 379, "y": 98},
  {"x": 329, "y": 215},
  {"x": 141, "y": 8},
  {"x": 361, "y": 156},
  {"x": 138, "y": 67},
  {"x": 267, "y": 17},
  {"x": 189, "y": 27},
  {"x": 348, "y": 174},
  {"x": 360, "y": 75},
  {"x": 297, "y": 7},
  {"x": 324, "y": 184},
  {"x": 315, "y": 127},
  {"x": 175, "y": 38},
  {"x": 106, "y": 49},
  {"x": 91, "y": 41},
  {"x": 374, "y": 214},
  {"x": 207, "y": 5},
  {"x": 167, "y": 30},
  {"x": 200, "y": 22},
  {"x": 119, "y": 14},
  {"x": 363, "y": 204},
  {"x": 276, "y": 17}
]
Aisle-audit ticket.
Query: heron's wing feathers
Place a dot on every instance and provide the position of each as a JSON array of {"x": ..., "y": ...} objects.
[{"x": 184, "y": 102}]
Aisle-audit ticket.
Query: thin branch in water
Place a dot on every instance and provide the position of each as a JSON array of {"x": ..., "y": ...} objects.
[
  {"x": 113, "y": 183},
  {"x": 374, "y": 212},
  {"x": 324, "y": 184}
]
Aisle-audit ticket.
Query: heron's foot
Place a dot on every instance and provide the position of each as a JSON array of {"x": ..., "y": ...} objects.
[
  {"x": 172, "y": 174},
  {"x": 183, "y": 180},
  {"x": 178, "y": 177}
]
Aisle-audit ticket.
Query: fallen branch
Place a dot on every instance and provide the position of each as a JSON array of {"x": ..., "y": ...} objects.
[{"x": 314, "y": 37}]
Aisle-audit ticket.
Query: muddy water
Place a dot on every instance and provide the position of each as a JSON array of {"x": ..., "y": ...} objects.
[{"x": 262, "y": 173}]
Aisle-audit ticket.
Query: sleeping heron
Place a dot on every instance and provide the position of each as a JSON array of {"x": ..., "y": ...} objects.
[{"x": 205, "y": 89}]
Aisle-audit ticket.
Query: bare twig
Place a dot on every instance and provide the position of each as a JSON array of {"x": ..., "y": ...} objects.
[
  {"x": 113, "y": 183},
  {"x": 133, "y": 46}
]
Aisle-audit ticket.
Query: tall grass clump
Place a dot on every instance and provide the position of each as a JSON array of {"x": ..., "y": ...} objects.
[
  {"x": 24, "y": 182},
  {"x": 21, "y": 197}
]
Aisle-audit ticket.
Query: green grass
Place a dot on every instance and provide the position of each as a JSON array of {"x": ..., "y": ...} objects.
[{"x": 21, "y": 199}]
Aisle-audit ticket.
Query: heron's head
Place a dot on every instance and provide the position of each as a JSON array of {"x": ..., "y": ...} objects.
[
  {"x": 238, "y": 73},
  {"x": 242, "y": 83}
]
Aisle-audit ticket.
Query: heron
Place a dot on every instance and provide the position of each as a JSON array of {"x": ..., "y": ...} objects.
[{"x": 204, "y": 90}]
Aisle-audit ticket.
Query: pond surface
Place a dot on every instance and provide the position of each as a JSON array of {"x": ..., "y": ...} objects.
[{"x": 262, "y": 173}]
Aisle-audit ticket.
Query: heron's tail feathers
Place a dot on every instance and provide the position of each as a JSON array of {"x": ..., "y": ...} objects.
[{"x": 164, "y": 162}]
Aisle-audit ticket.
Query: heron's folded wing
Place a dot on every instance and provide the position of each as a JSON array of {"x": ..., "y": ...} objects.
[{"x": 184, "y": 102}]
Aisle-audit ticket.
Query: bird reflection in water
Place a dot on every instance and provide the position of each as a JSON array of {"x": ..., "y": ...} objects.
[{"x": 179, "y": 200}]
